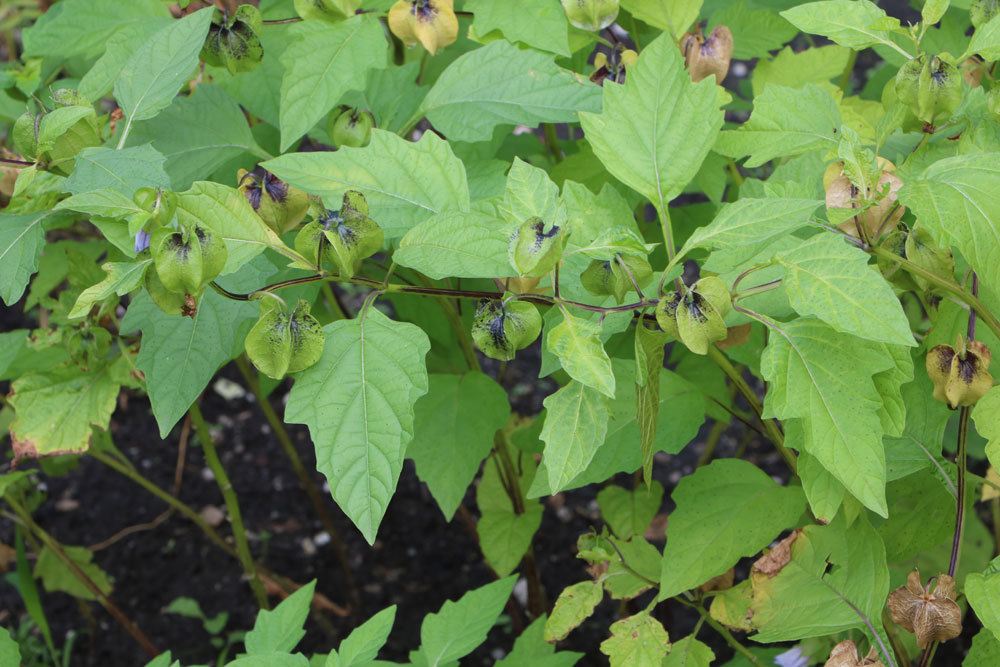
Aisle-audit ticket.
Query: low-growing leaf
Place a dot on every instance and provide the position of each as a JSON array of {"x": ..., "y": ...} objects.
[
  {"x": 459, "y": 245},
  {"x": 636, "y": 641},
  {"x": 459, "y": 627},
  {"x": 279, "y": 630},
  {"x": 21, "y": 240},
  {"x": 365, "y": 641},
  {"x": 576, "y": 423},
  {"x": 573, "y": 606},
  {"x": 628, "y": 512},
  {"x": 121, "y": 278},
  {"x": 577, "y": 344}
]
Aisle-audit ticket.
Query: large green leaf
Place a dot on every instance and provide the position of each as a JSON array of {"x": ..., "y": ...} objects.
[
  {"x": 657, "y": 128},
  {"x": 986, "y": 416},
  {"x": 100, "y": 79},
  {"x": 573, "y": 606},
  {"x": 957, "y": 201},
  {"x": 358, "y": 404},
  {"x": 324, "y": 61},
  {"x": 829, "y": 279},
  {"x": 500, "y": 84},
  {"x": 458, "y": 244},
  {"x": 849, "y": 23},
  {"x": 986, "y": 41},
  {"x": 459, "y": 627},
  {"x": 405, "y": 182},
  {"x": 55, "y": 410},
  {"x": 636, "y": 641},
  {"x": 577, "y": 343},
  {"x": 121, "y": 278},
  {"x": 81, "y": 28},
  {"x": 835, "y": 571},
  {"x": 674, "y": 16},
  {"x": 727, "y": 510},
  {"x": 504, "y": 537},
  {"x": 123, "y": 171},
  {"x": 538, "y": 23},
  {"x": 453, "y": 431},
  {"x": 21, "y": 240},
  {"x": 796, "y": 68},
  {"x": 983, "y": 592},
  {"x": 785, "y": 121},
  {"x": 825, "y": 379},
  {"x": 756, "y": 30},
  {"x": 689, "y": 652},
  {"x": 745, "y": 227},
  {"x": 198, "y": 134},
  {"x": 530, "y": 648},
  {"x": 576, "y": 422},
  {"x": 279, "y": 630},
  {"x": 629, "y": 512},
  {"x": 180, "y": 355},
  {"x": 365, "y": 641},
  {"x": 149, "y": 81}
]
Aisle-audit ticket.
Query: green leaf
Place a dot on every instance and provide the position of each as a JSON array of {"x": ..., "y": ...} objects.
[
  {"x": 180, "y": 355},
  {"x": 459, "y": 245},
  {"x": 797, "y": 68},
  {"x": 674, "y": 16},
  {"x": 453, "y": 431},
  {"x": 100, "y": 79},
  {"x": 358, "y": 404},
  {"x": 500, "y": 84},
  {"x": 629, "y": 512},
  {"x": 744, "y": 228},
  {"x": 573, "y": 606},
  {"x": 649, "y": 352},
  {"x": 365, "y": 641},
  {"x": 689, "y": 652},
  {"x": 636, "y": 641},
  {"x": 198, "y": 134},
  {"x": 121, "y": 278},
  {"x": 986, "y": 416},
  {"x": 956, "y": 201},
  {"x": 10, "y": 652},
  {"x": 983, "y": 593},
  {"x": 985, "y": 650},
  {"x": 540, "y": 24},
  {"x": 727, "y": 510},
  {"x": 279, "y": 630},
  {"x": 227, "y": 212},
  {"x": 324, "y": 61},
  {"x": 404, "y": 182},
  {"x": 824, "y": 378},
  {"x": 642, "y": 572},
  {"x": 529, "y": 192},
  {"x": 55, "y": 410},
  {"x": 81, "y": 28},
  {"x": 149, "y": 81},
  {"x": 530, "y": 648},
  {"x": 459, "y": 627},
  {"x": 835, "y": 571},
  {"x": 123, "y": 171},
  {"x": 392, "y": 94},
  {"x": 576, "y": 422},
  {"x": 829, "y": 279},
  {"x": 505, "y": 537},
  {"x": 921, "y": 516},
  {"x": 21, "y": 240},
  {"x": 849, "y": 23},
  {"x": 259, "y": 90},
  {"x": 985, "y": 41},
  {"x": 756, "y": 31},
  {"x": 104, "y": 203},
  {"x": 577, "y": 343},
  {"x": 785, "y": 122},
  {"x": 270, "y": 660},
  {"x": 56, "y": 576},
  {"x": 657, "y": 128}
]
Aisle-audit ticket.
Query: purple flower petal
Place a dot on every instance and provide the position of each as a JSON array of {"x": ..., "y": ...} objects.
[{"x": 141, "y": 240}]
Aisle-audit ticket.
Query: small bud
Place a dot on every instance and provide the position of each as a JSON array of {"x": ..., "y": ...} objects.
[
  {"x": 533, "y": 250},
  {"x": 931, "y": 87},
  {"x": 169, "y": 302},
  {"x": 432, "y": 23},
  {"x": 159, "y": 203},
  {"x": 281, "y": 342},
  {"x": 187, "y": 259},
  {"x": 591, "y": 15},
  {"x": 348, "y": 236},
  {"x": 960, "y": 377},
  {"x": 930, "y": 614},
  {"x": 351, "y": 127},
  {"x": 705, "y": 57},
  {"x": 845, "y": 654},
  {"x": 982, "y": 11},
  {"x": 500, "y": 330},
  {"x": 280, "y": 205},
  {"x": 701, "y": 313},
  {"x": 883, "y": 214},
  {"x": 608, "y": 277},
  {"x": 330, "y": 10},
  {"x": 922, "y": 251},
  {"x": 233, "y": 41}
]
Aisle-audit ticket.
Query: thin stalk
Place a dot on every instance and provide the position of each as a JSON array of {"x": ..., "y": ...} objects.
[
  {"x": 232, "y": 505},
  {"x": 845, "y": 77},
  {"x": 962, "y": 465},
  {"x": 552, "y": 142},
  {"x": 773, "y": 432},
  {"x": 55, "y": 547},
  {"x": 306, "y": 481},
  {"x": 712, "y": 441}
]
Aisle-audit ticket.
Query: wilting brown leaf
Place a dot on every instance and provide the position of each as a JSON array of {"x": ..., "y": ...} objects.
[{"x": 770, "y": 564}]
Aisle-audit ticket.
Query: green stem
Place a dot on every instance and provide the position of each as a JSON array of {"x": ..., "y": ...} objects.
[
  {"x": 552, "y": 142},
  {"x": 944, "y": 285},
  {"x": 232, "y": 505},
  {"x": 845, "y": 77},
  {"x": 961, "y": 462},
  {"x": 773, "y": 432},
  {"x": 55, "y": 547},
  {"x": 305, "y": 479},
  {"x": 712, "y": 441}
]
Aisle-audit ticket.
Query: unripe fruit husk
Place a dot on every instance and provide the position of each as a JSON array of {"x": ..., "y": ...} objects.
[
  {"x": 534, "y": 250},
  {"x": 431, "y": 23},
  {"x": 591, "y": 15},
  {"x": 347, "y": 236},
  {"x": 281, "y": 342},
  {"x": 607, "y": 277},
  {"x": 960, "y": 377},
  {"x": 281, "y": 206},
  {"x": 161, "y": 204},
  {"x": 351, "y": 127},
  {"x": 234, "y": 42},
  {"x": 707, "y": 57},
  {"x": 930, "y": 86},
  {"x": 187, "y": 260},
  {"x": 499, "y": 330},
  {"x": 172, "y": 303}
]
